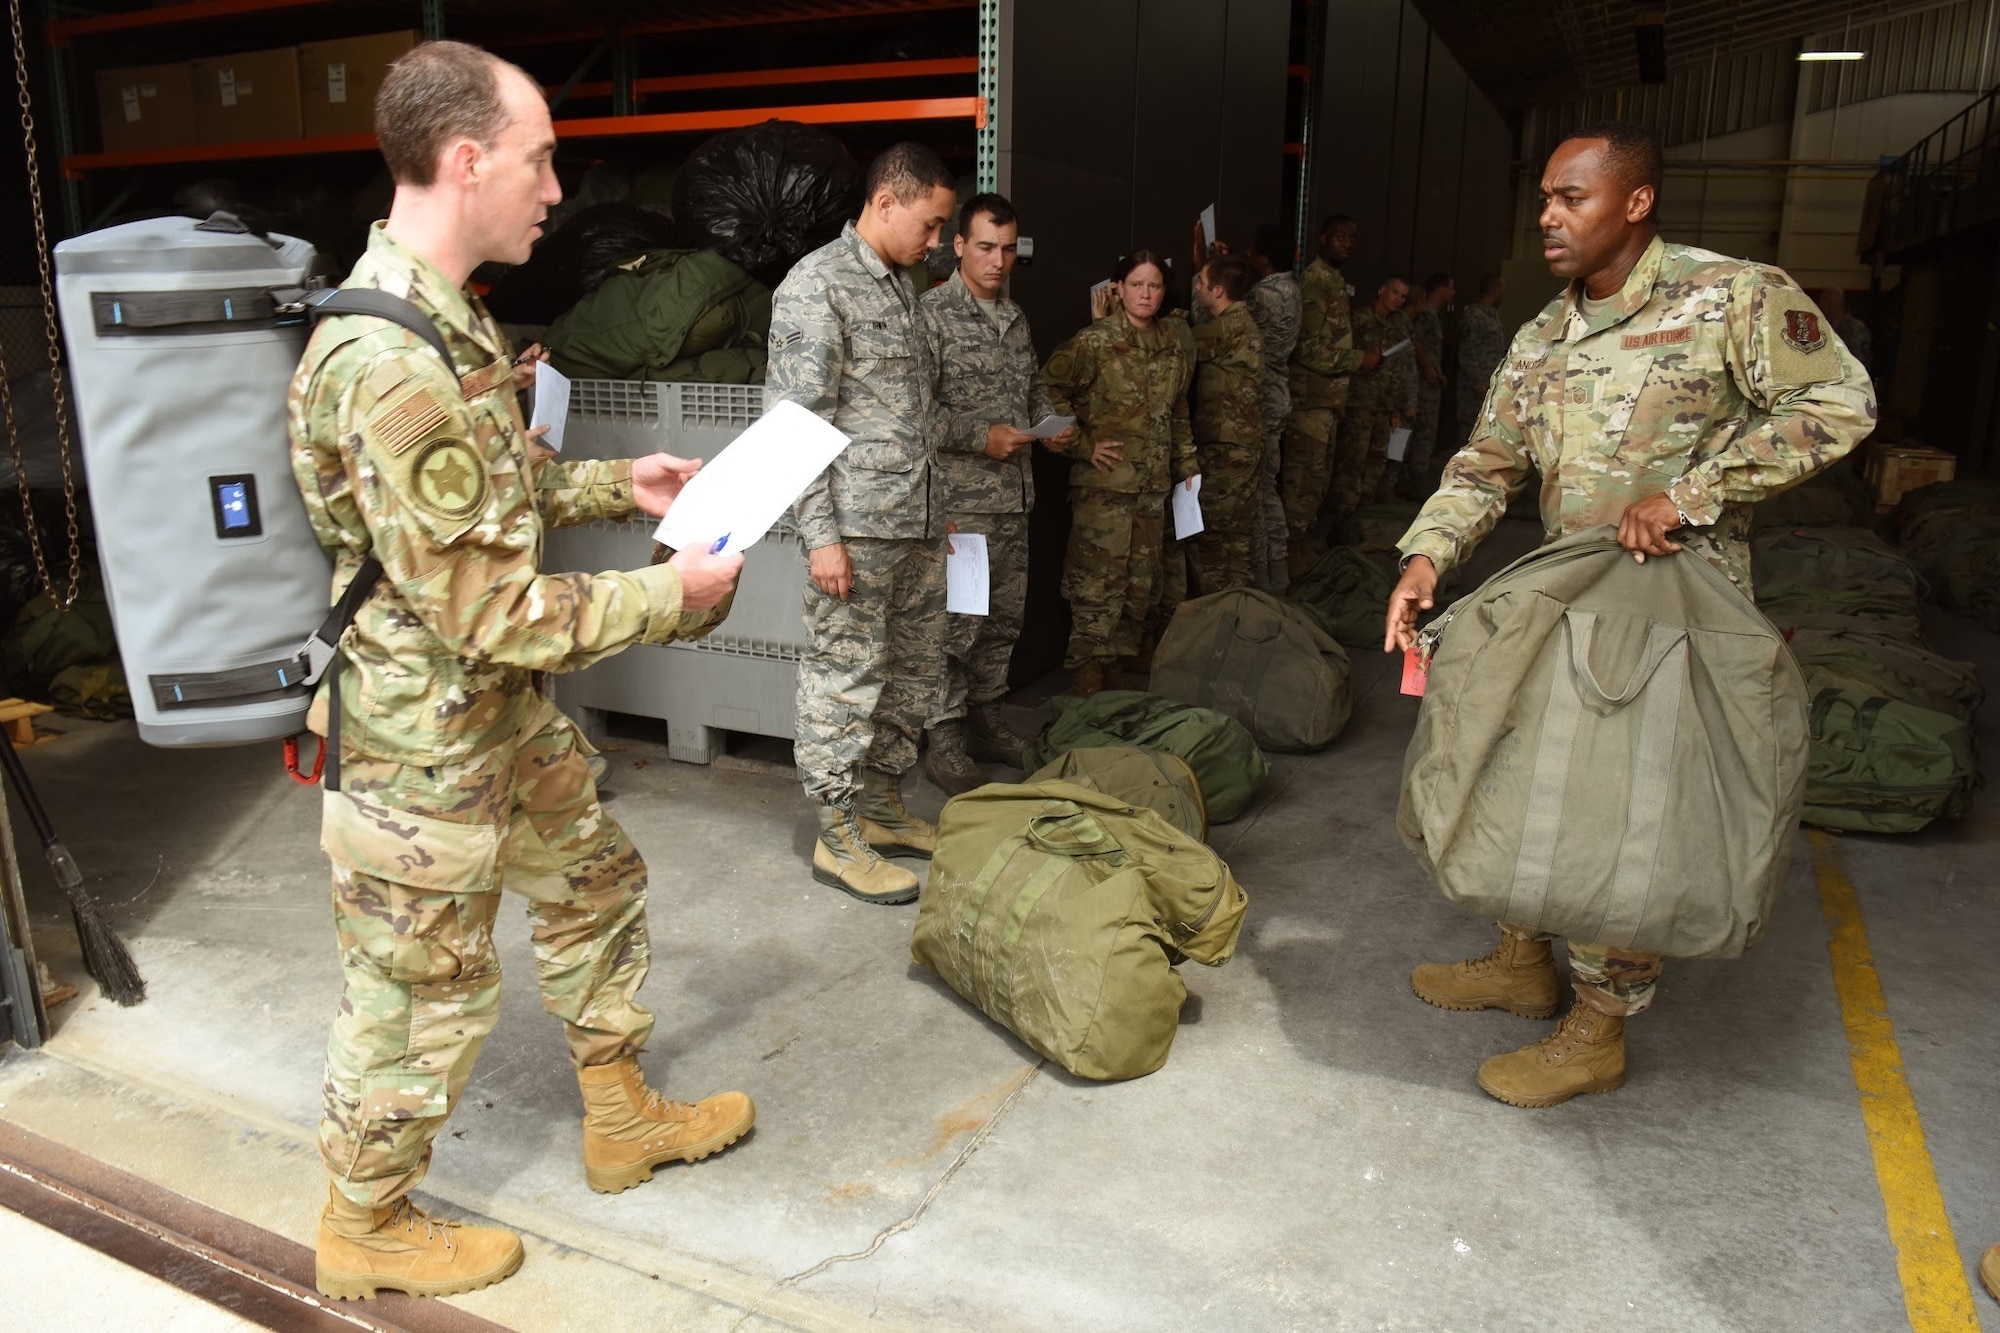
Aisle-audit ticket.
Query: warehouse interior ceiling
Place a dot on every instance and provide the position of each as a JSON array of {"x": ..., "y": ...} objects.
[{"x": 1524, "y": 53}]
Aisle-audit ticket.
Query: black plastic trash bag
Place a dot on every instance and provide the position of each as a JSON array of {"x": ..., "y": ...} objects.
[{"x": 767, "y": 195}]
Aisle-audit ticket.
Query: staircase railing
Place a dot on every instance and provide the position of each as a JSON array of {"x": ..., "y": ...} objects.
[{"x": 1948, "y": 182}]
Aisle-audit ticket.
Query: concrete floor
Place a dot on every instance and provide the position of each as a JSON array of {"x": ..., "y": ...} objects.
[{"x": 1315, "y": 1155}]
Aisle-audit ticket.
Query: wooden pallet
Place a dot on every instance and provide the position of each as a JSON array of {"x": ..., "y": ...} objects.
[{"x": 18, "y": 716}]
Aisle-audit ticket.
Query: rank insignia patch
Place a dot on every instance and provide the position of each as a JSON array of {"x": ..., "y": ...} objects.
[{"x": 1803, "y": 331}]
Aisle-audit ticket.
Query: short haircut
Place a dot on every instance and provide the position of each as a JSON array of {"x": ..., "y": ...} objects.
[
  {"x": 1631, "y": 150},
  {"x": 1231, "y": 273},
  {"x": 994, "y": 206},
  {"x": 1334, "y": 220},
  {"x": 1137, "y": 259},
  {"x": 1489, "y": 283},
  {"x": 906, "y": 170},
  {"x": 1438, "y": 281},
  {"x": 437, "y": 94},
  {"x": 1388, "y": 278},
  {"x": 1274, "y": 243}
]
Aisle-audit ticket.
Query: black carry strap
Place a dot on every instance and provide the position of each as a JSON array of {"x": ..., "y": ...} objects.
[{"x": 319, "y": 656}]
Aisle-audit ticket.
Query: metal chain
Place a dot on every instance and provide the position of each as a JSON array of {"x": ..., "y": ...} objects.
[{"x": 65, "y": 601}]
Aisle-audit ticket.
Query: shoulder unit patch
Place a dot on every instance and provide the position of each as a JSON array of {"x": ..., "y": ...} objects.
[{"x": 1804, "y": 330}]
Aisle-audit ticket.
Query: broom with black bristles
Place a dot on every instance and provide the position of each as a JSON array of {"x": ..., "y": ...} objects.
[{"x": 105, "y": 956}]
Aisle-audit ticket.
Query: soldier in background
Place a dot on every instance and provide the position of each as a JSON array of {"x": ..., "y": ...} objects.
[
  {"x": 989, "y": 392},
  {"x": 1403, "y": 370},
  {"x": 1833, "y": 304},
  {"x": 1482, "y": 341},
  {"x": 1427, "y": 323},
  {"x": 1125, "y": 379},
  {"x": 1226, "y": 408},
  {"x": 1375, "y": 402},
  {"x": 848, "y": 343},
  {"x": 1759, "y": 397},
  {"x": 1322, "y": 359},
  {"x": 454, "y": 771},
  {"x": 1274, "y": 304}
]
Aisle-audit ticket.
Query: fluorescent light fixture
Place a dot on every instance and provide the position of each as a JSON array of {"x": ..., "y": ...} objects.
[{"x": 1833, "y": 55}]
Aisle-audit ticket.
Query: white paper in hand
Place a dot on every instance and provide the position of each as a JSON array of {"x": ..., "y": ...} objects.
[
  {"x": 1391, "y": 353},
  {"x": 551, "y": 403},
  {"x": 1050, "y": 427},
  {"x": 1399, "y": 443},
  {"x": 1187, "y": 509},
  {"x": 740, "y": 493},
  {"x": 1208, "y": 225},
  {"x": 966, "y": 578}
]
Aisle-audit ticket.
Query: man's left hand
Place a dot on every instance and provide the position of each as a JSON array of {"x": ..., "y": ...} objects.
[
  {"x": 658, "y": 478},
  {"x": 1643, "y": 531},
  {"x": 524, "y": 366}
]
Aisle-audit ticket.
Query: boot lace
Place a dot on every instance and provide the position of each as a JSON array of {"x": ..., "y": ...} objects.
[
  {"x": 407, "y": 1215},
  {"x": 856, "y": 840},
  {"x": 656, "y": 1105}
]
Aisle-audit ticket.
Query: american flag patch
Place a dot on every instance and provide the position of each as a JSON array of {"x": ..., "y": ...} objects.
[{"x": 406, "y": 421}]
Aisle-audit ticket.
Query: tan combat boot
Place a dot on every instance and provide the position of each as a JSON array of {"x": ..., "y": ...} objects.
[
  {"x": 363, "y": 1251},
  {"x": 989, "y": 738},
  {"x": 884, "y": 820},
  {"x": 1518, "y": 976},
  {"x": 1586, "y": 1053},
  {"x": 945, "y": 761},
  {"x": 1989, "y": 1271},
  {"x": 1087, "y": 679},
  {"x": 842, "y": 859},
  {"x": 629, "y": 1128}
]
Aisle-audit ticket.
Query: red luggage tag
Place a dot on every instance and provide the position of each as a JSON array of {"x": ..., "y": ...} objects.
[{"x": 1416, "y": 671}]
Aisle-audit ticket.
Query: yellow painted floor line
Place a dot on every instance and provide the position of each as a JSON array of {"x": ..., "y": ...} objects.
[{"x": 1936, "y": 1293}]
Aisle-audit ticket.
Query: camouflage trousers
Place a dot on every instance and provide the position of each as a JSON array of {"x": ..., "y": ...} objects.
[
  {"x": 1306, "y": 466},
  {"x": 1618, "y": 982},
  {"x": 1229, "y": 517},
  {"x": 868, "y": 678},
  {"x": 1111, "y": 571},
  {"x": 979, "y": 649},
  {"x": 1416, "y": 470},
  {"x": 1267, "y": 546},
  {"x": 420, "y": 855},
  {"x": 1360, "y": 457}
]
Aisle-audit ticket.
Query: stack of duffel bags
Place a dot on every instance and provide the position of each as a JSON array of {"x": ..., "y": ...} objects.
[
  {"x": 1891, "y": 720},
  {"x": 1951, "y": 533}
]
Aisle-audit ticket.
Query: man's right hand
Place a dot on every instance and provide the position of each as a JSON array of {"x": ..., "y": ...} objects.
[
  {"x": 1415, "y": 592},
  {"x": 705, "y": 579},
  {"x": 1370, "y": 360},
  {"x": 1107, "y": 454},
  {"x": 1003, "y": 441},
  {"x": 831, "y": 571}
]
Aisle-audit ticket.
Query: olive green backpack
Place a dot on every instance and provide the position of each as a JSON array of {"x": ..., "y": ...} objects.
[
  {"x": 1226, "y": 761},
  {"x": 1262, "y": 661},
  {"x": 1153, "y": 778},
  {"x": 1060, "y": 912},
  {"x": 1609, "y": 751}
]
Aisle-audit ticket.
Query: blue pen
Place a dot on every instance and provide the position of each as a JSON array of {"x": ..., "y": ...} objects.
[{"x": 720, "y": 542}]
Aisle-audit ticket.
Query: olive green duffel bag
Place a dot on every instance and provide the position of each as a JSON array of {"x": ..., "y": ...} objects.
[
  {"x": 1138, "y": 775},
  {"x": 1609, "y": 751},
  {"x": 1060, "y": 912},
  {"x": 1880, "y": 765},
  {"x": 1261, "y": 660},
  {"x": 1224, "y": 757}
]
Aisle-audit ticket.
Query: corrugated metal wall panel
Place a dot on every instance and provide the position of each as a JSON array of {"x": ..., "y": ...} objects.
[{"x": 1946, "y": 49}]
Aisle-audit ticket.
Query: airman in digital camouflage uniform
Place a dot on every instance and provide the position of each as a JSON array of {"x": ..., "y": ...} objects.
[
  {"x": 1482, "y": 342},
  {"x": 1125, "y": 379},
  {"x": 1427, "y": 325},
  {"x": 848, "y": 343},
  {"x": 1274, "y": 303},
  {"x": 1667, "y": 390},
  {"x": 989, "y": 392},
  {"x": 1226, "y": 410},
  {"x": 1375, "y": 399},
  {"x": 455, "y": 772},
  {"x": 1322, "y": 360}
]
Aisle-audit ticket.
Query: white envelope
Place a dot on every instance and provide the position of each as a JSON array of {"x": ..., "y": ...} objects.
[{"x": 966, "y": 575}]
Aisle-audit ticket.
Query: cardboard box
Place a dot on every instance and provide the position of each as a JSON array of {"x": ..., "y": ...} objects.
[
  {"x": 338, "y": 81},
  {"x": 150, "y": 106},
  {"x": 248, "y": 97}
]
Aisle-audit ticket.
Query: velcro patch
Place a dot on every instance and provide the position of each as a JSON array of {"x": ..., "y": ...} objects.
[
  {"x": 792, "y": 339},
  {"x": 1800, "y": 348},
  {"x": 448, "y": 479},
  {"x": 1632, "y": 342},
  {"x": 414, "y": 417}
]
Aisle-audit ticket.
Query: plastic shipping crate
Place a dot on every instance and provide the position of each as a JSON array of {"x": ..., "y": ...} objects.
[{"x": 742, "y": 677}]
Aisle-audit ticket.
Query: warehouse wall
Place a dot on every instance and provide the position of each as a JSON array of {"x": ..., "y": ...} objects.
[{"x": 1403, "y": 142}]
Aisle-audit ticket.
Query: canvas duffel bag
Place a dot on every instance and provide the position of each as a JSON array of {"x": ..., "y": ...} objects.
[
  {"x": 1153, "y": 778},
  {"x": 1880, "y": 765},
  {"x": 1260, "y": 660},
  {"x": 1610, "y": 751},
  {"x": 1060, "y": 912},
  {"x": 1224, "y": 757}
]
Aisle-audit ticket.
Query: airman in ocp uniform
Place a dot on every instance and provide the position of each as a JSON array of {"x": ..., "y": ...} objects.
[
  {"x": 1666, "y": 391},
  {"x": 454, "y": 770},
  {"x": 1322, "y": 360},
  {"x": 1275, "y": 304},
  {"x": 1226, "y": 410}
]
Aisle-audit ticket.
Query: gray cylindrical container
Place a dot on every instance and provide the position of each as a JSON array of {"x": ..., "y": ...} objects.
[{"x": 179, "y": 368}]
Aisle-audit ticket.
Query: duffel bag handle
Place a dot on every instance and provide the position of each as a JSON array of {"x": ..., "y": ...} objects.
[
  {"x": 1067, "y": 829},
  {"x": 1865, "y": 716},
  {"x": 1581, "y": 627}
]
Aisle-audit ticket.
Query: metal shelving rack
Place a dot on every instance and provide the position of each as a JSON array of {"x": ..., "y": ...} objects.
[{"x": 625, "y": 89}]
